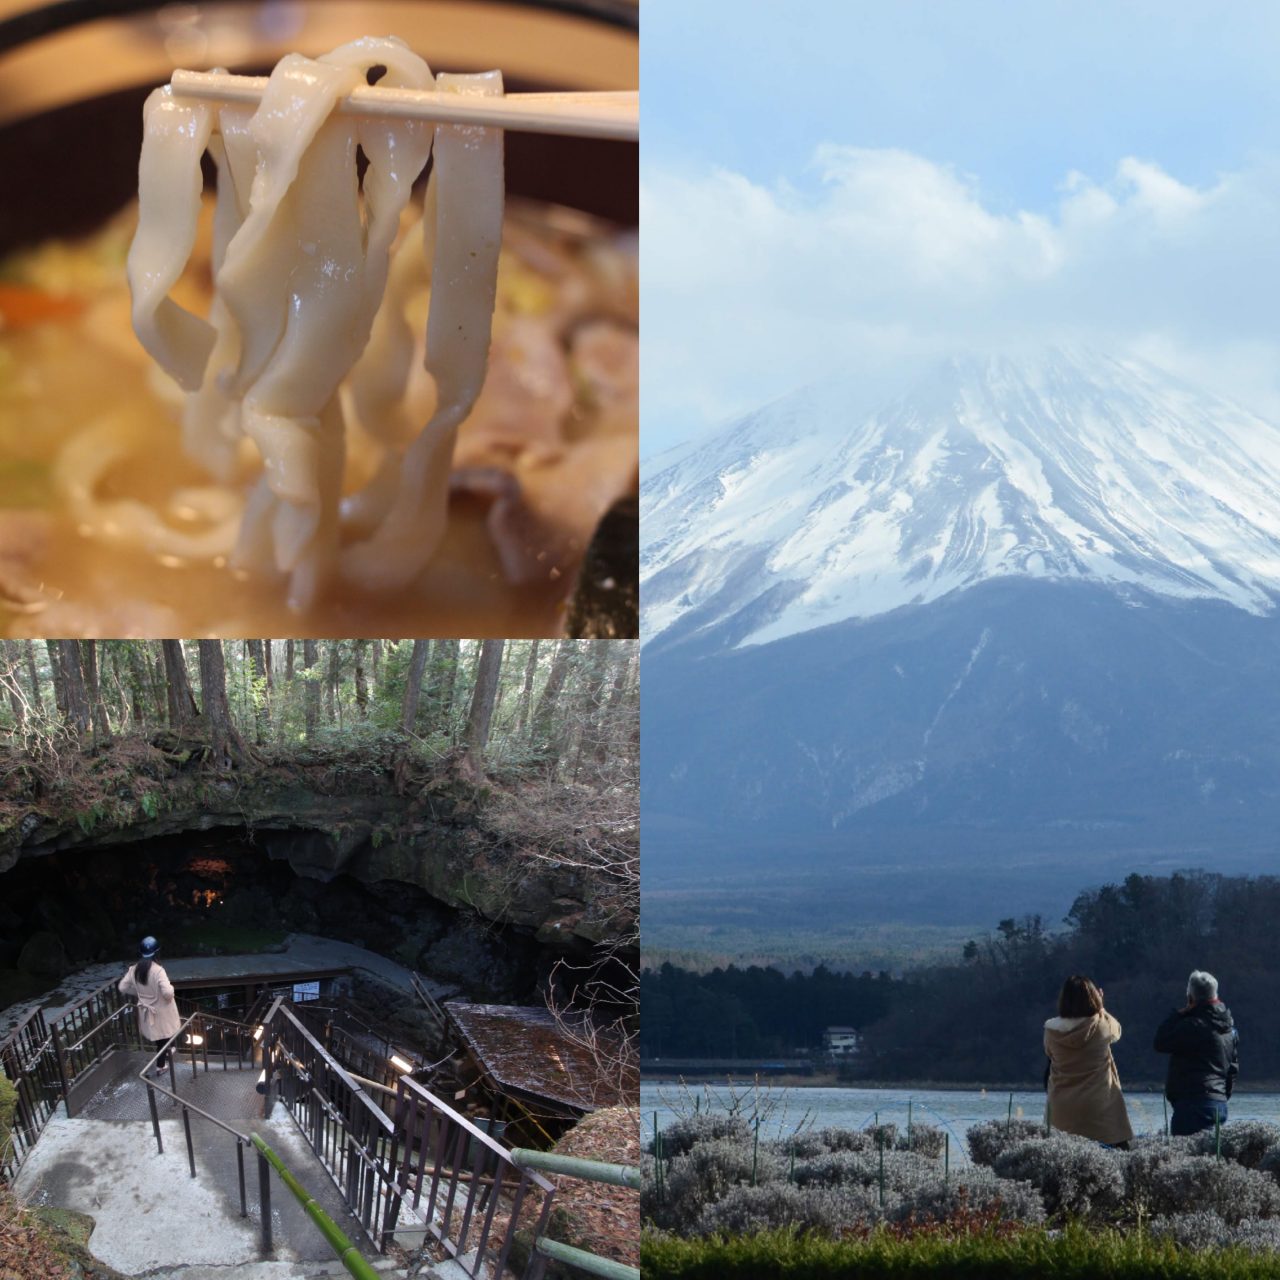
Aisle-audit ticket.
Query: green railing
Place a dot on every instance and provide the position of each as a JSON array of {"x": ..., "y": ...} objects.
[
  {"x": 195, "y": 1030},
  {"x": 616, "y": 1175},
  {"x": 339, "y": 1242}
]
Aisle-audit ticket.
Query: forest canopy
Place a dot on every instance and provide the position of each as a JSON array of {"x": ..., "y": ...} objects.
[{"x": 568, "y": 708}]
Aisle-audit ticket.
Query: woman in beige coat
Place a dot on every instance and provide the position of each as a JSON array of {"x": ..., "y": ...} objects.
[
  {"x": 158, "y": 1018},
  {"x": 1084, "y": 1085}
]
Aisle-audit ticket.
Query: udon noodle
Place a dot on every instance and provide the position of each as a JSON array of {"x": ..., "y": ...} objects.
[{"x": 317, "y": 406}]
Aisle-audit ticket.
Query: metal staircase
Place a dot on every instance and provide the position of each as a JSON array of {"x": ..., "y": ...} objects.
[{"x": 398, "y": 1162}]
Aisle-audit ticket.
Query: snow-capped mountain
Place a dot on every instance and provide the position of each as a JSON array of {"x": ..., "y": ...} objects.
[
  {"x": 1069, "y": 465},
  {"x": 1017, "y": 624}
]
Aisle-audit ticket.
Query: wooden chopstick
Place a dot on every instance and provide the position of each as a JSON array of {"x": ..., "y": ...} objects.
[{"x": 583, "y": 115}]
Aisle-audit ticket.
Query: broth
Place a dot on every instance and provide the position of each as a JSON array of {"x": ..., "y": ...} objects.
[{"x": 557, "y": 417}]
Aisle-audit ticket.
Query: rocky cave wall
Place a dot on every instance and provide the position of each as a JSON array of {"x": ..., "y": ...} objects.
[{"x": 412, "y": 868}]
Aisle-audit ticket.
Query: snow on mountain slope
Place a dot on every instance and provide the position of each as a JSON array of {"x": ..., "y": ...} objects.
[{"x": 1069, "y": 465}]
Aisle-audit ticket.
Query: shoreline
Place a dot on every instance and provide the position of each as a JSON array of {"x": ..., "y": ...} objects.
[{"x": 899, "y": 1086}]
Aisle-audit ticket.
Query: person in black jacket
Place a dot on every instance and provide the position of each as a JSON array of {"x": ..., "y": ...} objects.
[{"x": 1200, "y": 1040}]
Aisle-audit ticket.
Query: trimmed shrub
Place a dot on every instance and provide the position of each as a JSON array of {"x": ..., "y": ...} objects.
[
  {"x": 1076, "y": 1177},
  {"x": 1147, "y": 1154},
  {"x": 818, "y": 1142},
  {"x": 1202, "y": 1229},
  {"x": 1244, "y": 1141},
  {"x": 989, "y": 1139},
  {"x": 903, "y": 1170},
  {"x": 1270, "y": 1162},
  {"x": 701, "y": 1176},
  {"x": 923, "y": 1139},
  {"x": 976, "y": 1190},
  {"x": 707, "y": 1127},
  {"x": 1261, "y": 1235},
  {"x": 1193, "y": 1183},
  {"x": 885, "y": 1135},
  {"x": 829, "y": 1210}
]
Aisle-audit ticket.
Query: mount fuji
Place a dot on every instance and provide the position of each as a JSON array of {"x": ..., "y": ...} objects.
[
  {"x": 1070, "y": 466},
  {"x": 1019, "y": 622}
]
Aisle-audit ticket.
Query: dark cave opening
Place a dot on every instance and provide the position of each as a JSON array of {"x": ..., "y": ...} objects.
[{"x": 224, "y": 891}]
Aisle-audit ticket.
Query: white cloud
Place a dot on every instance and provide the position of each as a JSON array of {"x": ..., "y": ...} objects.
[{"x": 889, "y": 258}]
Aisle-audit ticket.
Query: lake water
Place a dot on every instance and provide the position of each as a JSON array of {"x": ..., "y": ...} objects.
[{"x": 784, "y": 1111}]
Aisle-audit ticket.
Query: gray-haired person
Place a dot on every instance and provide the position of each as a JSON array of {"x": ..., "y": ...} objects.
[{"x": 1201, "y": 1040}]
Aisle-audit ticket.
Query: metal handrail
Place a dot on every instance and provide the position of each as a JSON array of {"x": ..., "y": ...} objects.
[
  {"x": 170, "y": 1048},
  {"x": 27, "y": 1058},
  {"x": 341, "y": 1013},
  {"x": 122, "y": 1011},
  {"x": 339, "y": 1241},
  {"x": 35, "y": 1053},
  {"x": 35, "y": 1014},
  {"x": 425, "y": 1121},
  {"x": 110, "y": 984},
  {"x": 474, "y": 1130},
  {"x": 343, "y": 1074},
  {"x": 429, "y": 1002},
  {"x": 617, "y": 1175},
  {"x": 267, "y": 1159}
]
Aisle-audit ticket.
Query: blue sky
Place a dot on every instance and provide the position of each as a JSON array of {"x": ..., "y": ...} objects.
[{"x": 871, "y": 184}]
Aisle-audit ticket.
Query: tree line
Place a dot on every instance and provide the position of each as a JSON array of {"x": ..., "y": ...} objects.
[
  {"x": 979, "y": 1018},
  {"x": 567, "y": 707},
  {"x": 752, "y": 1012},
  {"x": 983, "y": 1015}
]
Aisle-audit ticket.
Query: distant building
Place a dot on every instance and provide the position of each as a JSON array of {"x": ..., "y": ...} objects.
[{"x": 840, "y": 1042}]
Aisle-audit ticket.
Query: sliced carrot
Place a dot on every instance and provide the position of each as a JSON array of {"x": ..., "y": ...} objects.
[{"x": 21, "y": 306}]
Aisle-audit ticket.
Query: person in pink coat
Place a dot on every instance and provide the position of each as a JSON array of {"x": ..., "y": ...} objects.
[{"x": 158, "y": 1018}]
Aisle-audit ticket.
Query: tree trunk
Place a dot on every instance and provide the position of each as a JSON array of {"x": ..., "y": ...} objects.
[
  {"x": 377, "y": 661},
  {"x": 288, "y": 661},
  {"x": 127, "y": 708},
  {"x": 97, "y": 708},
  {"x": 621, "y": 730},
  {"x": 78, "y": 715},
  {"x": 225, "y": 741},
  {"x": 311, "y": 693},
  {"x": 413, "y": 685},
  {"x": 37, "y": 694},
  {"x": 452, "y": 658},
  {"x": 159, "y": 685},
  {"x": 268, "y": 666},
  {"x": 332, "y": 680},
  {"x": 591, "y": 705},
  {"x": 526, "y": 691},
  {"x": 261, "y": 696},
  {"x": 59, "y": 684},
  {"x": 362, "y": 688},
  {"x": 542, "y": 731},
  {"x": 183, "y": 712},
  {"x": 483, "y": 700},
  {"x": 12, "y": 663},
  {"x": 139, "y": 687}
]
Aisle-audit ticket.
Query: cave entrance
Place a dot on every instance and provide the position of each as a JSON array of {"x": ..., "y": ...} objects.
[
  {"x": 223, "y": 902},
  {"x": 229, "y": 891},
  {"x": 200, "y": 892}
]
